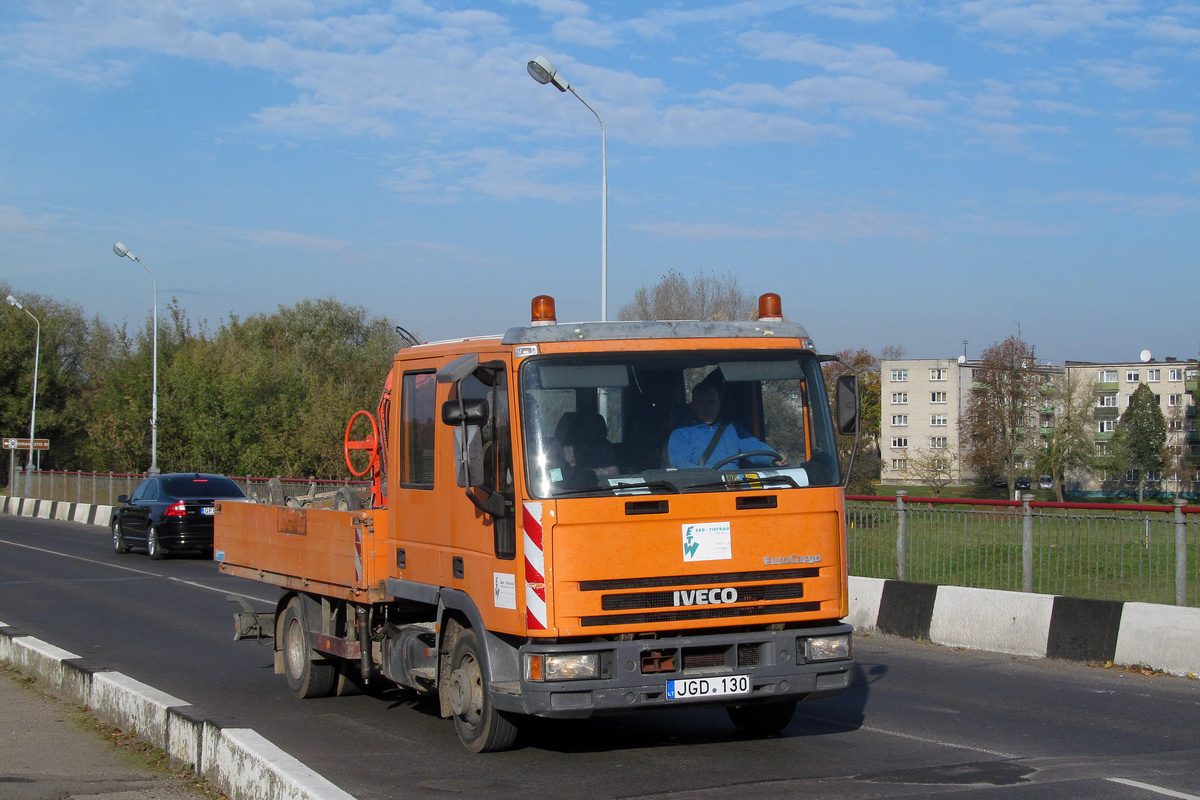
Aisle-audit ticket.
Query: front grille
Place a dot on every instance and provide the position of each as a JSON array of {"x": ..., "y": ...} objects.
[
  {"x": 698, "y": 612},
  {"x": 680, "y": 598},
  {"x": 696, "y": 580}
]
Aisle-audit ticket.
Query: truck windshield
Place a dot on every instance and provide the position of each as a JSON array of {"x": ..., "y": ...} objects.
[{"x": 676, "y": 422}]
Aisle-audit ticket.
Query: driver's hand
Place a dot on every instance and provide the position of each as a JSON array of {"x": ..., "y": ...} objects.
[{"x": 781, "y": 460}]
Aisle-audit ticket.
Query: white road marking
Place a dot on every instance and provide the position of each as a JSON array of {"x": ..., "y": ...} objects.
[
  {"x": 910, "y": 736},
  {"x": 1156, "y": 789},
  {"x": 135, "y": 570}
]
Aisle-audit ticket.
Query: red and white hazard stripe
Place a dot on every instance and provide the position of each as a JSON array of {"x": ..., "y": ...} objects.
[{"x": 535, "y": 568}]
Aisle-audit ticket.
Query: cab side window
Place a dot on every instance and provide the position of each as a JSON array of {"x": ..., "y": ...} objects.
[{"x": 417, "y": 406}]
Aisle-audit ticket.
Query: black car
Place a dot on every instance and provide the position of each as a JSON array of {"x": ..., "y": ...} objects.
[
  {"x": 172, "y": 512},
  {"x": 1023, "y": 482}
]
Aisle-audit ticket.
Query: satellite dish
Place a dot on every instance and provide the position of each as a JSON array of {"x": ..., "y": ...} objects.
[
  {"x": 1145, "y": 356},
  {"x": 962, "y": 359}
]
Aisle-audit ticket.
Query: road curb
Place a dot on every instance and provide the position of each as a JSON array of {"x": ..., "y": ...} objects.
[
  {"x": 237, "y": 761},
  {"x": 1160, "y": 637}
]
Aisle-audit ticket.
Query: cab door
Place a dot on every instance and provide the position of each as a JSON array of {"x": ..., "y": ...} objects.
[{"x": 420, "y": 537}]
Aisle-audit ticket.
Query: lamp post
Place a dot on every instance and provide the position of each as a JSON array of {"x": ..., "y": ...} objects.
[
  {"x": 123, "y": 252},
  {"x": 542, "y": 71},
  {"x": 37, "y": 349}
]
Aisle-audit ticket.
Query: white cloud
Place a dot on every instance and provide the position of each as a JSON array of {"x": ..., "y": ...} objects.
[
  {"x": 1046, "y": 18},
  {"x": 869, "y": 61},
  {"x": 1159, "y": 136},
  {"x": 854, "y": 96},
  {"x": 1123, "y": 74},
  {"x": 15, "y": 222}
]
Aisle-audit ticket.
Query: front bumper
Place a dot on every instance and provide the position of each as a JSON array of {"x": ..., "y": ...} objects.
[{"x": 774, "y": 661}]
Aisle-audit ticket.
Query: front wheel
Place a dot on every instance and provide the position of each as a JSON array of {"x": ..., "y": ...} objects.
[
  {"x": 762, "y": 719},
  {"x": 481, "y": 728},
  {"x": 306, "y": 677},
  {"x": 119, "y": 546}
]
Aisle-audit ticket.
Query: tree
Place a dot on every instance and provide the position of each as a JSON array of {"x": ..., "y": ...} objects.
[
  {"x": 704, "y": 296},
  {"x": 1006, "y": 388},
  {"x": 1070, "y": 445},
  {"x": 867, "y": 462},
  {"x": 1140, "y": 438},
  {"x": 933, "y": 467}
]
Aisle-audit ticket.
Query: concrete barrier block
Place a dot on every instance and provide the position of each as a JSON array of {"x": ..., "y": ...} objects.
[
  {"x": 1160, "y": 637},
  {"x": 3, "y": 504},
  {"x": 185, "y": 736},
  {"x": 62, "y": 511},
  {"x": 242, "y": 760},
  {"x": 103, "y": 516},
  {"x": 133, "y": 706},
  {"x": 987, "y": 619},
  {"x": 865, "y": 594},
  {"x": 46, "y": 509},
  {"x": 76, "y": 683},
  {"x": 40, "y": 659},
  {"x": 81, "y": 512}
]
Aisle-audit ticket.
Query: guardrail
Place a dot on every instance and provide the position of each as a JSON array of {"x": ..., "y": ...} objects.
[
  {"x": 1109, "y": 552},
  {"x": 104, "y": 487}
]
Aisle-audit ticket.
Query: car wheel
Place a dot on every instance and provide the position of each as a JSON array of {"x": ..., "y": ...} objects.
[
  {"x": 762, "y": 719},
  {"x": 119, "y": 546},
  {"x": 481, "y": 728},
  {"x": 306, "y": 675},
  {"x": 347, "y": 500},
  {"x": 154, "y": 548}
]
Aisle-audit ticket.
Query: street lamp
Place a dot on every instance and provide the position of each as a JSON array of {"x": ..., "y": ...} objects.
[
  {"x": 123, "y": 252},
  {"x": 37, "y": 349},
  {"x": 542, "y": 71}
]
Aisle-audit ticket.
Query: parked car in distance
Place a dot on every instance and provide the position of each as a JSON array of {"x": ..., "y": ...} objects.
[
  {"x": 172, "y": 512},
  {"x": 1045, "y": 482},
  {"x": 1023, "y": 482},
  {"x": 999, "y": 483}
]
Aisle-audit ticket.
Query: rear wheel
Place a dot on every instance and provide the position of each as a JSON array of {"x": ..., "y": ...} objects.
[
  {"x": 762, "y": 719},
  {"x": 119, "y": 545},
  {"x": 347, "y": 500},
  {"x": 481, "y": 728},
  {"x": 154, "y": 548},
  {"x": 306, "y": 677}
]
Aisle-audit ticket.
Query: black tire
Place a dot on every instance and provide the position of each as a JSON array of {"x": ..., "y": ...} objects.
[
  {"x": 308, "y": 675},
  {"x": 154, "y": 547},
  {"x": 481, "y": 728},
  {"x": 119, "y": 545},
  {"x": 347, "y": 500},
  {"x": 762, "y": 719}
]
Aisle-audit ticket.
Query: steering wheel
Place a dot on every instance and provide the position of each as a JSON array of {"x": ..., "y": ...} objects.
[
  {"x": 746, "y": 454},
  {"x": 370, "y": 444}
]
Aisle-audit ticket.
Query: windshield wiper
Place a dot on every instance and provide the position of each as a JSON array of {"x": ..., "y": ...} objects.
[
  {"x": 629, "y": 488},
  {"x": 742, "y": 481}
]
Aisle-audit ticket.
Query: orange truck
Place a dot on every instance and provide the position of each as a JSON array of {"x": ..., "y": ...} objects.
[{"x": 541, "y": 541}]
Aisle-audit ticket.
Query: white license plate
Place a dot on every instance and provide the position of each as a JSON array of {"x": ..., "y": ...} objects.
[
  {"x": 207, "y": 511},
  {"x": 700, "y": 688}
]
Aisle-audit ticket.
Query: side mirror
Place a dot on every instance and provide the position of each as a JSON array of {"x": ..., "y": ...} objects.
[
  {"x": 122, "y": 498},
  {"x": 847, "y": 404},
  {"x": 469, "y": 412}
]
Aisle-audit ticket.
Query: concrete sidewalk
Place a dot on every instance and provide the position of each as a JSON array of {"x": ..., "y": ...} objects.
[{"x": 48, "y": 751}]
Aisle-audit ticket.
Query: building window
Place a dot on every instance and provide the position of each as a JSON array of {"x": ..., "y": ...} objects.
[
  {"x": 900, "y": 464},
  {"x": 899, "y": 441},
  {"x": 1175, "y": 424},
  {"x": 1101, "y": 448},
  {"x": 899, "y": 420},
  {"x": 941, "y": 464},
  {"x": 937, "y": 374},
  {"x": 937, "y": 397},
  {"x": 1154, "y": 375},
  {"x": 1107, "y": 400},
  {"x": 1190, "y": 374},
  {"x": 937, "y": 420},
  {"x": 1108, "y": 376},
  {"x": 1108, "y": 425},
  {"x": 937, "y": 442},
  {"x": 899, "y": 375},
  {"x": 1175, "y": 374},
  {"x": 1174, "y": 399},
  {"x": 899, "y": 398}
]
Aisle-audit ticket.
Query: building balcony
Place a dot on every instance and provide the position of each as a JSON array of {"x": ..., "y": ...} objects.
[{"x": 1108, "y": 387}]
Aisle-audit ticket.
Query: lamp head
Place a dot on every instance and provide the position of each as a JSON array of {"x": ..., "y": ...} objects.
[
  {"x": 12, "y": 301},
  {"x": 122, "y": 251},
  {"x": 542, "y": 71}
]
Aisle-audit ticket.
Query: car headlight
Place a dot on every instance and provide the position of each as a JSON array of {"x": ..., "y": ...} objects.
[
  {"x": 561, "y": 666},
  {"x": 829, "y": 648}
]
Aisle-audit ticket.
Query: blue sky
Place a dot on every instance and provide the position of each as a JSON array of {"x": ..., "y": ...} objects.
[{"x": 902, "y": 173}]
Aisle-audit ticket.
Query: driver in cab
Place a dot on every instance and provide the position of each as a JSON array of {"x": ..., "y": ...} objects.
[{"x": 707, "y": 440}]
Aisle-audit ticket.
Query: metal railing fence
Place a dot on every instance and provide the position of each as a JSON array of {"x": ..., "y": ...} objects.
[
  {"x": 105, "y": 487},
  {"x": 1109, "y": 552}
]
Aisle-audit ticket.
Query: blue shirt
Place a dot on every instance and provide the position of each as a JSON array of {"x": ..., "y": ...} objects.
[{"x": 687, "y": 445}]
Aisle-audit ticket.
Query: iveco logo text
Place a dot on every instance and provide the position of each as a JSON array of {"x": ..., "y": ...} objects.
[
  {"x": 769, "y": 561},
  {"x": 706, "y": 597}
]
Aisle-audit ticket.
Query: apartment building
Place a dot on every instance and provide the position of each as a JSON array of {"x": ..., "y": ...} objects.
[{"x": 922, "y": 402}]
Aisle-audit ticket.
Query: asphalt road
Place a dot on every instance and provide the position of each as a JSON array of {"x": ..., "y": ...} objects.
[{"x": 920, "y": 720}]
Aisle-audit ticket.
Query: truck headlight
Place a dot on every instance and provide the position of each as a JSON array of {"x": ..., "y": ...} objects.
[
  {"x": 829, "y": 648},
  {"x": 561, "y": 666}
]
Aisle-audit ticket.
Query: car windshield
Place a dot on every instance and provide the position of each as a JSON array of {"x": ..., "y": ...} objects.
[
  {"x": 676, "y": 422},
  {"x": 206, "y": 486}
]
